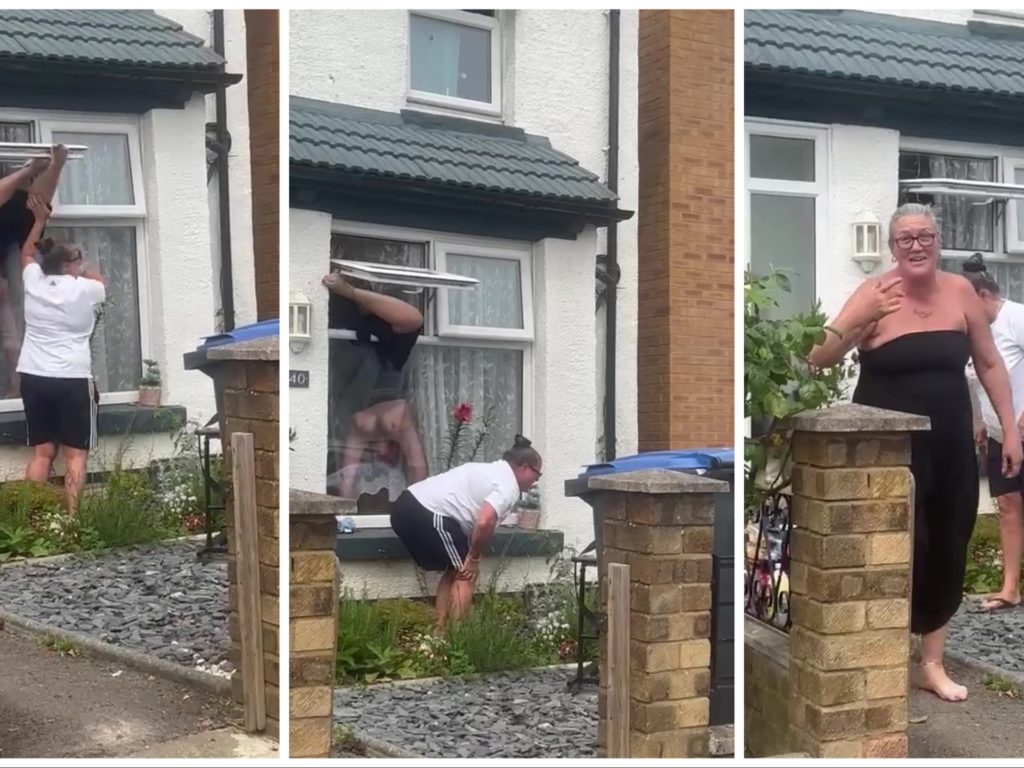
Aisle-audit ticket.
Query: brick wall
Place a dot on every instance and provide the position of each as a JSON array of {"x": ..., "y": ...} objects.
[
  {"x": 313, "y": 611},
  {"x": 263, "y": 77},
  {"x": 248, "y": 402},
  {"x": 686, "y": 268},
  {"x": 766, "y": 726}
]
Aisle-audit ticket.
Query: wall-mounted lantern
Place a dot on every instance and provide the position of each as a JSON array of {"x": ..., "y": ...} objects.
[
  {"x": 867, "y": 240},
  {"x": 299, "y": 311}
]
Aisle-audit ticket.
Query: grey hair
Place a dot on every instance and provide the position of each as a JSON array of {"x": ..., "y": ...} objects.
[{"x": 913, "y": 209}]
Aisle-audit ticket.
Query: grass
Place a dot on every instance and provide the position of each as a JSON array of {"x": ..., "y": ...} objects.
[
  {"x": 984, "y": 559},
  {"x": 1002, "y": 686},
  {"x": 393, "y": 639},
  {"x": 61, "y": 646}
]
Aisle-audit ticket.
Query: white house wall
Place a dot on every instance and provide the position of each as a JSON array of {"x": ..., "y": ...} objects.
[
  {"x": 200, "y": 23},
  {"x": 559, "y": 89},
  {"x": 310, "y": 247},
  {"x": 863, "y": 173}
]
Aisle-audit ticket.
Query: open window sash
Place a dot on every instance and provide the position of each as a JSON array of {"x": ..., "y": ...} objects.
[
  {"x": 389, "y": 274},
  {"x": 12, "y": 151}
]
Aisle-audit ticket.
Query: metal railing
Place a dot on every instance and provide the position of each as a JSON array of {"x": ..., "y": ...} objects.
[{"x": 766, "y": 563}]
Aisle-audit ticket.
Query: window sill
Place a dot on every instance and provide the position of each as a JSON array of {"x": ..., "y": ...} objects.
[
  {"x": 382, "y": 544},
  {"x": 113, "y": 419}
]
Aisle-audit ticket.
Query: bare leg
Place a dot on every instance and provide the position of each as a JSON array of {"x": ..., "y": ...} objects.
[
  {"x": 443, "y": 601},
  {"x": 75, "y": 462},
  {"x": 1011, "y": 537},
  {"x": 401, "y": 316},
  {"x": 45, "y": 184},
  {"x": 933, "y": 675},
  {"x": 12, "y": 182},
  {"x": 39, "y": 466},
  {"x": 462, "y": 597},
  {"x": 398, "y": 424},
  {"x": 360, "y": 431}
]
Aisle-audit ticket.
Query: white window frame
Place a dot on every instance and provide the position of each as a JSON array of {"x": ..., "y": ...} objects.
[
  {"x": 817, "y": 189},
  {"x": 434, "y": 335},
  {"x": 48, "y": 121},
  {"x": 522, "y": 255},
  {"x": 1006, "y": 248},
  {"x": 464, "y": 18},
  {"x": 1014, "y": 244},
  {"x": 116, "y": 128}
]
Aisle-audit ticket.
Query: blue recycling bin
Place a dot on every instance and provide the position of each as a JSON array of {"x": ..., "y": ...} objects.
[{"x": 717, "y": 464}]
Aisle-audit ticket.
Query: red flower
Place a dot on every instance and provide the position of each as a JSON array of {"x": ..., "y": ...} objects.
[{"x": 463, "y": 413}]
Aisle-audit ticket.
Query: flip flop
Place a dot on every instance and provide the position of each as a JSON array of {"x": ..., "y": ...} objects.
[{"x": 999, "y": 604}]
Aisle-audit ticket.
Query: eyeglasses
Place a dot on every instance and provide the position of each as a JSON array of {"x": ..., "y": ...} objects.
[
  {"x": 907, "y": 241},
  {"x": 536, "y": 471}
]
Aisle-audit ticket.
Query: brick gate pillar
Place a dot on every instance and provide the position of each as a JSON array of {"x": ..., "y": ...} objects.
[
  {"x": 850, "y": 551},
  {"x": 313, "y": 622},
  {"x": 661, "y": 524}
]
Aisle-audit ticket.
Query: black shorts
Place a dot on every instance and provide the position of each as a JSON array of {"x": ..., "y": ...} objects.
[
  {"x": 436, "y": 543},
  {"x": 61, "y": 411},
  {"x": 997, "y": 484}
]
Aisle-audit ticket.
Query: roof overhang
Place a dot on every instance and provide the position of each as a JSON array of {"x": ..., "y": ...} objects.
[
  {"x": 982, "y": 191},
  {"x": 97, "y": 86},
  {"x": 420, "y": 204}
]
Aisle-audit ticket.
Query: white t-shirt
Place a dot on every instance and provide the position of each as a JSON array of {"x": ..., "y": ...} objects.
[
  {"x": 60, "y": 312},
  {"x": 459, "y": 493},
  {"x": 1008, "y": 333}
]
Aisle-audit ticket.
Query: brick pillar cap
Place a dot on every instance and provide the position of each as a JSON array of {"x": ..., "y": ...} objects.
[
  {"x": 859, "y": 418},
  {"x": 309, "y": 504},
  {"x": 656, "y": 481}
]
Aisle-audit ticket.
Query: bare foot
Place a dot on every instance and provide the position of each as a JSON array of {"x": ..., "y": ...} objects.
[
  {"x": 1001, "y": 601},
  {"x": 933, "y": 678},
  {"x": 335, "y": 283}
]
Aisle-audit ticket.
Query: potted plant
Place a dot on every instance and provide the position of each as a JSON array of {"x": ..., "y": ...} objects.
[{"x": 149, "y": 387}]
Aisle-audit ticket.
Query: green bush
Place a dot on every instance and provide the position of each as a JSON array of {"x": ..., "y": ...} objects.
[
  {"x": 124, "y": 512},
  {"x": 24, "y": 503},
  {"x": 496, "y": 635},
  {"x": 984, "y": 558}
]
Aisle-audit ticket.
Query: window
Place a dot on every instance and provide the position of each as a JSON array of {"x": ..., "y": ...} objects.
[
  {"x": 455, "y": 60},
  {"x": 786, "y": 192},
  {"x": 967, "y": 224},
  {"x": 970, "y": 224},
  {"x": 388, "y": 428},
  {"x": 100, "y": 206}
]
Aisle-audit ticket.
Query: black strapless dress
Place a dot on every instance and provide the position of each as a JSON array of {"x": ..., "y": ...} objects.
[{"x": 923, "y": 373}]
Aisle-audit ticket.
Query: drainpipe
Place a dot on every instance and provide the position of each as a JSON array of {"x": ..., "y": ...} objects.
[
  {"x": 227, "y": 286},
  {"x": 612, "y": 264}
]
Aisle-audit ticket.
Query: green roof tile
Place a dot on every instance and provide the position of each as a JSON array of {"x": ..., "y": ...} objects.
[
  {"x": 857, "y": 45},
  {"x": 351, "y": 140},
  {"x": 134, "y": 38}
]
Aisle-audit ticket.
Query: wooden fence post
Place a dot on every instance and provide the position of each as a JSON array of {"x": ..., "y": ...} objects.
[{"x": 618, "y": 661}]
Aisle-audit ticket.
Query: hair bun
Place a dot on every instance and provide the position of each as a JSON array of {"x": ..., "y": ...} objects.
[
  {"x": 976, "y": 263},
  {"x": 521, "y": 442},
  {"x": 45, "y": 245}
]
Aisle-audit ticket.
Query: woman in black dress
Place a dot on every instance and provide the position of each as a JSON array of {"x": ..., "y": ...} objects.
[{"x": 916, "y": 327}]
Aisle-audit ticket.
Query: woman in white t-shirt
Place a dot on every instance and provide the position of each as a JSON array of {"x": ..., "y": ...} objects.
[
  {"x": 445, "y": 520},
  {"x": 1007, "y": 319},
  {"x": 55, "y": 365}
]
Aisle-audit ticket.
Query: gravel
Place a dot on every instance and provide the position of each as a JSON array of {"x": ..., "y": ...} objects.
[
  {"x": 159, "y": 599},
  {"x": 992, "y": 637},
  {"x": 511, "y": 715}
]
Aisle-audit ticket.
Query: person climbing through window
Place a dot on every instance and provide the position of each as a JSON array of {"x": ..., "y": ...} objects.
[
  {"x": 375, "y": 406},
  {"x": 446, "y": 521}
]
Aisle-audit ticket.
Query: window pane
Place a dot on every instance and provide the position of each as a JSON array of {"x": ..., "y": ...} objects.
[
  {"x": 376, "y": 449},
  {"x": 375, "y": 251},
  {"x": 450, "y": 59},
  {"x": 103, "y": 176},
  {"x": 497, "y": 302},
  {"x": 17, "y": 133},
  {"x": 966, "y": 224},
  {"x": 1009, "y": 275},
  {"x": 778, "y": 157},
  {"x": 782, "y": 239},
  {"x": 116, "y": 343}
]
